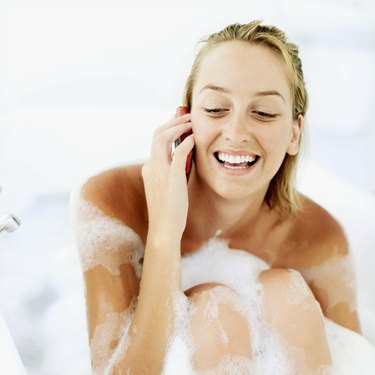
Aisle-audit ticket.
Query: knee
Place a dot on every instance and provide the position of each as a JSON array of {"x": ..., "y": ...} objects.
[
  {"x": 209, "y": 300},
  {"x": 291, "y": 308},
  {"x": 213, "y": 302},
  {"x": 279, "y": 276},
  {"x": 200, "y": 290},
  {"x": 285, "y": 285},
  {"x": 218, "y": 327},
  {"x": 288, "y": 297}
]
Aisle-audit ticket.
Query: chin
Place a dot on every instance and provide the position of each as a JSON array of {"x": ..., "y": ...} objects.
[
  {"x": 231, "y": 192},
  {"x": 229, "y": 188}
]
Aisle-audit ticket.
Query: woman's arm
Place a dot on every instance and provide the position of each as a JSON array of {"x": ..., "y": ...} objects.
[
  {"x": 334, "y": 285},
  {"x": 131, "y": 317},
  {"x": 330, "y": 272}
]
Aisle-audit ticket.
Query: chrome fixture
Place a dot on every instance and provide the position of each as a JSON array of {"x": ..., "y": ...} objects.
[{"x": 9, "y": 222}]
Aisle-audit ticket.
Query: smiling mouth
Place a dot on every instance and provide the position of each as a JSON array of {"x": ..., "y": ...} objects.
[{"x": 244, "y": 163}]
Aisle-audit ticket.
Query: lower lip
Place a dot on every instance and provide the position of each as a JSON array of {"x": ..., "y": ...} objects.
[{"x": 237, "y": 171}]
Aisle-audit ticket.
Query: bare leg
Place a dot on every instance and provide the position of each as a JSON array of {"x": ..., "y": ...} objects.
[
  {"x": 217, "y": 328},
  {"x": 292, "y": 310}
]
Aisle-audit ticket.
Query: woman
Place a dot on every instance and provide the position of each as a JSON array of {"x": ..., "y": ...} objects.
[{"x": 247, "y": 102}]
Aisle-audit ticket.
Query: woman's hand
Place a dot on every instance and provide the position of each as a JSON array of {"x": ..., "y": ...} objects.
[{"x": 165, "y": 179}]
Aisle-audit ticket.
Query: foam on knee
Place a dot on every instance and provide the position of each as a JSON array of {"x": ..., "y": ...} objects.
[
  {"x": 220, "y": 332},
  {"x": 213, "y": 302},
  {"x": 297, "y": 290},
  {"x": 182, "y": 346},
  {"x": 210, "y": 264}
]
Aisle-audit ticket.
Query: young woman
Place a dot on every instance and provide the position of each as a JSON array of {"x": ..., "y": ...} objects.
[{"x": 136, "y": 226}]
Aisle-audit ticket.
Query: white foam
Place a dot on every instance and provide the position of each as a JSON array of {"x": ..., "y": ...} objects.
[
  {"x": 215, "y": 262},
  {"x": 297, "y": 290},
  {"x": 298, "y": 356},
  {"x": 231, "y": 364},
  {"x": 207, "y": 265},
  {"x": 178, "y": 358},
  {"x": 103, "y": 240},
  {"x": 351, "y": 352},
  {"x": 239, "y": 270},
  {"x": 108, "y": 242},
  {"x": 336, "y": 271}
]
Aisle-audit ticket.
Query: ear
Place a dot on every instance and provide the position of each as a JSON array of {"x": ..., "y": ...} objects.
[{"x": 293, "y": 146}]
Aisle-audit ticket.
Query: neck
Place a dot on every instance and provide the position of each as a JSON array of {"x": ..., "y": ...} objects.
[{"x": 210, "y": 214}]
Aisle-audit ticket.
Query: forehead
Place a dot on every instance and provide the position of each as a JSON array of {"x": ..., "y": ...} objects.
[{"x": 243, "y": 68}]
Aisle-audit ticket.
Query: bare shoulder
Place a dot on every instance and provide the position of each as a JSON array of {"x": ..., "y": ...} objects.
[
  {"x": 319, "y": 233},
  {"x": 324, "y": 260},
  {"x": 119, "y": 193}
]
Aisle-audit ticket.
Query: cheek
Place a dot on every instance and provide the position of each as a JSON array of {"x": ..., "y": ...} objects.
[
  {"x": 278, "y": 139},
  {"x": 203, "y": 132}
]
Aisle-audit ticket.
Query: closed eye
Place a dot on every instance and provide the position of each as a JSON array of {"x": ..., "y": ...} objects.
[
  {"x": 265, "y": 114},
  {"x": 221, "y": 111},
  {"x": 215, "y": 110}
]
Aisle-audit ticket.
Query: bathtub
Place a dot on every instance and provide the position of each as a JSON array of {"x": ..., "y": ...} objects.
[
  {"x": 44, "y": 310},
  {"x": 10, "y": 361}
]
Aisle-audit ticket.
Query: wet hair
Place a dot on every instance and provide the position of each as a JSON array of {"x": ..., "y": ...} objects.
[{"x": 281, "y": 191}]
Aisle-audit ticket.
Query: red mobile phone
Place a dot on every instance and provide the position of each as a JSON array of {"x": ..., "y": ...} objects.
[{"x": 180, "y": 112}]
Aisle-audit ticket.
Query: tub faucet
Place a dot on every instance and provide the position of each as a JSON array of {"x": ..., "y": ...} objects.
[{"x": 9, "y": 222}]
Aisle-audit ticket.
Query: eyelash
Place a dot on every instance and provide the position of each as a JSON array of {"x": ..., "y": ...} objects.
[
  {"x": 221, "y": 110},
  {"x": 215, "y": 110},
  {"x": 265, "y": 114}
]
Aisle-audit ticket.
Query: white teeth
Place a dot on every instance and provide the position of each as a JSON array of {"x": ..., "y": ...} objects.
[{"x": 236, "y": 159}]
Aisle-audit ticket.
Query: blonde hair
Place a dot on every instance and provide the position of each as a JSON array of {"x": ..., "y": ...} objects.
[{"x": 281, "y": 191}]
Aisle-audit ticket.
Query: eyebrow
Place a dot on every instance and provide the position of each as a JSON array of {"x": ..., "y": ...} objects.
[{"x": 226, "y": 91}]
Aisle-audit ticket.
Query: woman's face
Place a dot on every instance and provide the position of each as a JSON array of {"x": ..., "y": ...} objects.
[{"x": 242, "y": 118}]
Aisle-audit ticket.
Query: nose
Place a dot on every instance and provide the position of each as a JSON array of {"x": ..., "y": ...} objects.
[{"x": 237, "y": 129}]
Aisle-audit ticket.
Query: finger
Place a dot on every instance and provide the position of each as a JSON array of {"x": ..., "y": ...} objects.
[
  {"x": 162, "y": 143},
  {"x": 178, "y": 141},
  {"x": 182, "y": 151},
  {"x": 174, "y": 122}
]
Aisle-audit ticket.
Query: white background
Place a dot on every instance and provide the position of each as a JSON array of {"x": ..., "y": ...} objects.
[{"x": 77, "y": 57}]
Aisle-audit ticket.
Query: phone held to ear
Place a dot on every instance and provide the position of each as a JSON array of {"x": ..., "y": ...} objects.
[{"x": 189, "y": 159}]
